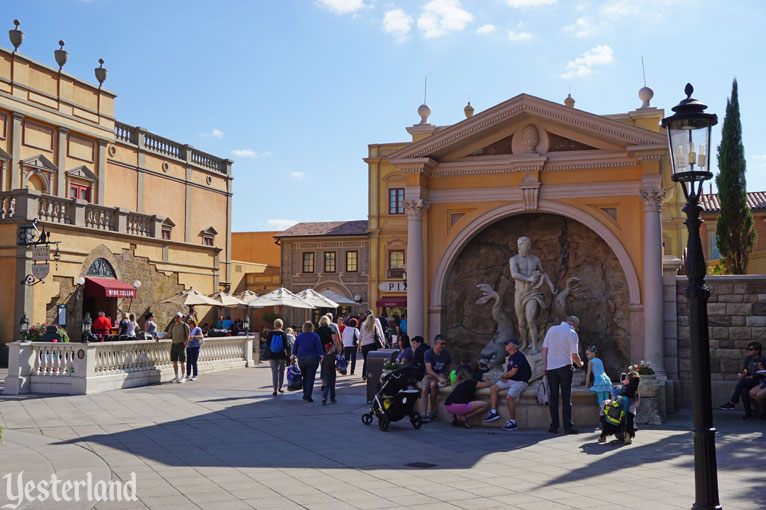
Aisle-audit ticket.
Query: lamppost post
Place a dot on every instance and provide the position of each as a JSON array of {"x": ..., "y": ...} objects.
[{"x": 689, "y": 142}]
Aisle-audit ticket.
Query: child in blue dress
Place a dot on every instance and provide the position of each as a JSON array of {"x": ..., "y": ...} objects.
[{"x": 602, "y": 385}]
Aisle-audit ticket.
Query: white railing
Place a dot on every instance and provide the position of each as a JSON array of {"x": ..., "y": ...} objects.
[
  {"x": 53, "y": 359},
  {"x": 54, "y": 209},
  {"x": 75, "y": 368},
  {"x": 7, "y": 207},
  {"x": 100, "y": 217},
  {"x": 139, "y": 224}
]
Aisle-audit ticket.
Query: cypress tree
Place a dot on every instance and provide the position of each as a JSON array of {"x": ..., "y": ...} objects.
[{"x": 735, "y": 228}]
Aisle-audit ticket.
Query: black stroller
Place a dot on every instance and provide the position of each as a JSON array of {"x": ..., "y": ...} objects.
[{"x": 396, "y": 398}]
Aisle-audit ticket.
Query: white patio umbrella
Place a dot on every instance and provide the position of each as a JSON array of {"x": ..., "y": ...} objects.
[
  {"x": 226, "y": 299},
  {"x": 191, "y": 297},
  {"x": 317, "y": 299},
  {"x": 279, "y": 297},
  {"x": 246, "y": 296},
  {"x": 340, "y": 300}
]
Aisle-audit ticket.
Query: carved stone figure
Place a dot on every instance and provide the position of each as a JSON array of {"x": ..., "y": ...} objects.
[
  {"x": 529, "y": 301},
  {"x": 494, "y": 352},
  {"x": 561, "y": 305}
]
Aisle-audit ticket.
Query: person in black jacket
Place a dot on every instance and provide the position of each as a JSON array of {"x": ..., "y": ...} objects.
[
  {"x": 278, "y": 357},
  {"x": 419, "y": 348}
]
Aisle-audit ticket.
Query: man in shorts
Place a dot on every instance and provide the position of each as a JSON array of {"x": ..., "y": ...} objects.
[
  {"x": 179, "y": 336},
  {"x": 515, "y": 380},
  {"x": 437, "y": 361}
]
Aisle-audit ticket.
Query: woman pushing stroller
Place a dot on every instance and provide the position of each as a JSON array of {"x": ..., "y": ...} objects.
[{"x": 618, "y": 415}]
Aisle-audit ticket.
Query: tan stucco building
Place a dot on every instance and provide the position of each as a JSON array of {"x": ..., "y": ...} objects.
[
  {"x": 330, "y": 255},
  {"x": 125, "y": 204}
]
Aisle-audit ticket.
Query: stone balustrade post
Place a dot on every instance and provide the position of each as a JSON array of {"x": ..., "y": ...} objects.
[
  {"x": 186, "y": 153},
  {"x": 78, "y": 213},
  {"x": 122, "y": 220},
  {"x": 140, "y": 136},
  {"x": 654, "y": 339},
  {"x": 156, "y": 226},
  {"x": 249, "y": 351},
  {"x": 20, "y": 364},
  {"x": 27, "y": 204},
  {"x": 415, "y": 273},
  {"x": 84, "y": 369}
]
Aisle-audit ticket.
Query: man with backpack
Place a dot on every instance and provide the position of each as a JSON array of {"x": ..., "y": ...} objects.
[{"x": 279, "y": 352}]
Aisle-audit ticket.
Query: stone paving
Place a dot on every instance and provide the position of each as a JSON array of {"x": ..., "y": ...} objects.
[{"x": 223, "y": 442}]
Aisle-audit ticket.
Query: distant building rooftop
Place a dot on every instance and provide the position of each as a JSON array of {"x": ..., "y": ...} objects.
[
  {"x": 326, "y": 228},
  {"x": 756, "y": 200}
]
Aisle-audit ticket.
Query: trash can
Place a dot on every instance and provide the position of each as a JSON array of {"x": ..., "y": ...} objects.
[{"x": 375, "y": 360}]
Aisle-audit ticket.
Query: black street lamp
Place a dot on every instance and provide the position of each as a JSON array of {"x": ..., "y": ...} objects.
[
  {"x": 689, "y": 142},
  {"x": 86, "y": 324},
  {"x": 24, "y": 327}
]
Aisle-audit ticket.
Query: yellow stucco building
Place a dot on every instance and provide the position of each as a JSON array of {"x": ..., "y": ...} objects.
[
  {"x": 137, "y": 216},
  {"x": 550, "y": 171}
]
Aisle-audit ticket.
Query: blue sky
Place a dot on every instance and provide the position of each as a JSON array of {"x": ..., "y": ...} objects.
[{"x": 294, "y": 90}]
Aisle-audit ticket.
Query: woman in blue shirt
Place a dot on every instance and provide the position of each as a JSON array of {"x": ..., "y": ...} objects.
[{"x": 309, "y": 351}]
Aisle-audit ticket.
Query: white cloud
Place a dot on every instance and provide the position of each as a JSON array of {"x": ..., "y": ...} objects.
[
  {"x": 215, "y": 133},
  {"x": 442, "y": 16},
  {"x": 297, "y": 175},
  {"x": 342, "y": 6},
  {"x": 397, "y": 23},
  {"x": 529, "y": 4},
  {"x": 583, "y": 65},
  {"x": 582, "y": 27},
  {"x": 486, "y": 29},
  {"x": 250, "y": 153},
  {"x": 761, "y": 157},
  {"x": 519, "y": 36},
  {"x": 281, "y": 224}
]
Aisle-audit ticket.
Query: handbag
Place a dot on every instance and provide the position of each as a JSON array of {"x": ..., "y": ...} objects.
[
  {"x": 294, "y": 378},
  {"x": 543, "y": 392}
]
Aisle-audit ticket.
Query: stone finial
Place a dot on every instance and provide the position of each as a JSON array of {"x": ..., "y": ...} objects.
[
  {"x": 61, "y": 55},
  {"x": 569, "y": 101},
  {"x": 101, "y": 72},
  {"x": 16, "y": 36},
  {"x": 468, "y": 110},
  {"x": 424, "y": 111},
  {"x": 645, "y": 94}
]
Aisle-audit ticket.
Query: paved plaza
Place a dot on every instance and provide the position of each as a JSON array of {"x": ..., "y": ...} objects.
[{"x": 223, "y": 442}]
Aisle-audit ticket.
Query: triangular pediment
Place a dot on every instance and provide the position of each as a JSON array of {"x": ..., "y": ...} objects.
[
  {"x": 40, "y": 162},
  {"x": 167, "y": 222},
  {"x": 4, "y": 156},
  {"x": 82, "y": 172},
  {"x": 556, "y": 128},
  {"x": 209, "y": 231}
]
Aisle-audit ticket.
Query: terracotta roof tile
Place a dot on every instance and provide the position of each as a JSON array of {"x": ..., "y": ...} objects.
[
  {"x": 326, "y": 228},
  {"x": 756, "y": 200}
]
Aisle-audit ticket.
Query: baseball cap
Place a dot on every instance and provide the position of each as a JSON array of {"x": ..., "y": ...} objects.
[
  {"x": 513, "y": 341},
  {"x": 179, "y": 315}
]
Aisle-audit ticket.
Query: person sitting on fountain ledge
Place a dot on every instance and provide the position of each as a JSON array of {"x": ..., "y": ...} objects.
[
  {"x": 437, "y": 361},
  {"x": 515, "y": 380}
]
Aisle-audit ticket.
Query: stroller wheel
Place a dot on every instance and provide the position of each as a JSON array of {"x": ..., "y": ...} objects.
[
  {"x": 367, "y": 418},
  {"x": 416, "y": 420},
  {"x": 383, "y": 422}
]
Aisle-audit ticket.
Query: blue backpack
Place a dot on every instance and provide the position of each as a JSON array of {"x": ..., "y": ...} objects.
[
  {"x": 341, "y": 363},
  {"x": 277, "y": 345}
]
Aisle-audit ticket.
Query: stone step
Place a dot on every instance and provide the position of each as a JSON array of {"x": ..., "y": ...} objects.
[{"x": 585, "y": 409}]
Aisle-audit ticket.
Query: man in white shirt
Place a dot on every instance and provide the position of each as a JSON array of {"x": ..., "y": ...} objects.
[{"x": 559, "y": 352}]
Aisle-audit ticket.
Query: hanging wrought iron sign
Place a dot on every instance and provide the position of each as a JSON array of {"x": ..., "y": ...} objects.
[{"x": 40, "y": 241}]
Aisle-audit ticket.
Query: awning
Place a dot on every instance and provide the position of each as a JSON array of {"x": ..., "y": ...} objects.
[
  {"x": 106, "y": 287},
  {"x": 392, "y": 302}
]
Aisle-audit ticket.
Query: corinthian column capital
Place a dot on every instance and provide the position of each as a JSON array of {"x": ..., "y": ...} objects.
[
  {"x": 652, "y": 198},
  {"x": 415, "y": 208}
]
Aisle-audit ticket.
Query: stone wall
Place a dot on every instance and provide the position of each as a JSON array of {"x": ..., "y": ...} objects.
[{"x": 736, "y": 316}]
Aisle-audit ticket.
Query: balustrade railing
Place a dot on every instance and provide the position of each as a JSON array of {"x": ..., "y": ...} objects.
[
  {"x": 124, "y": 132},
  {"x": 139, "y": 225},
  {"x": 101, "y": 218},
  {"x": 7, "y": 207},
  {"x": 53, "y": 359},
  {"x": 163, "y": 145},
  {"x": 55, "y": 209},
  {"x": 155, "y": 143}
]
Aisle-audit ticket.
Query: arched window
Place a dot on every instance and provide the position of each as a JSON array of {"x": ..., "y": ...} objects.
[{"x": 101, "y": 268}]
